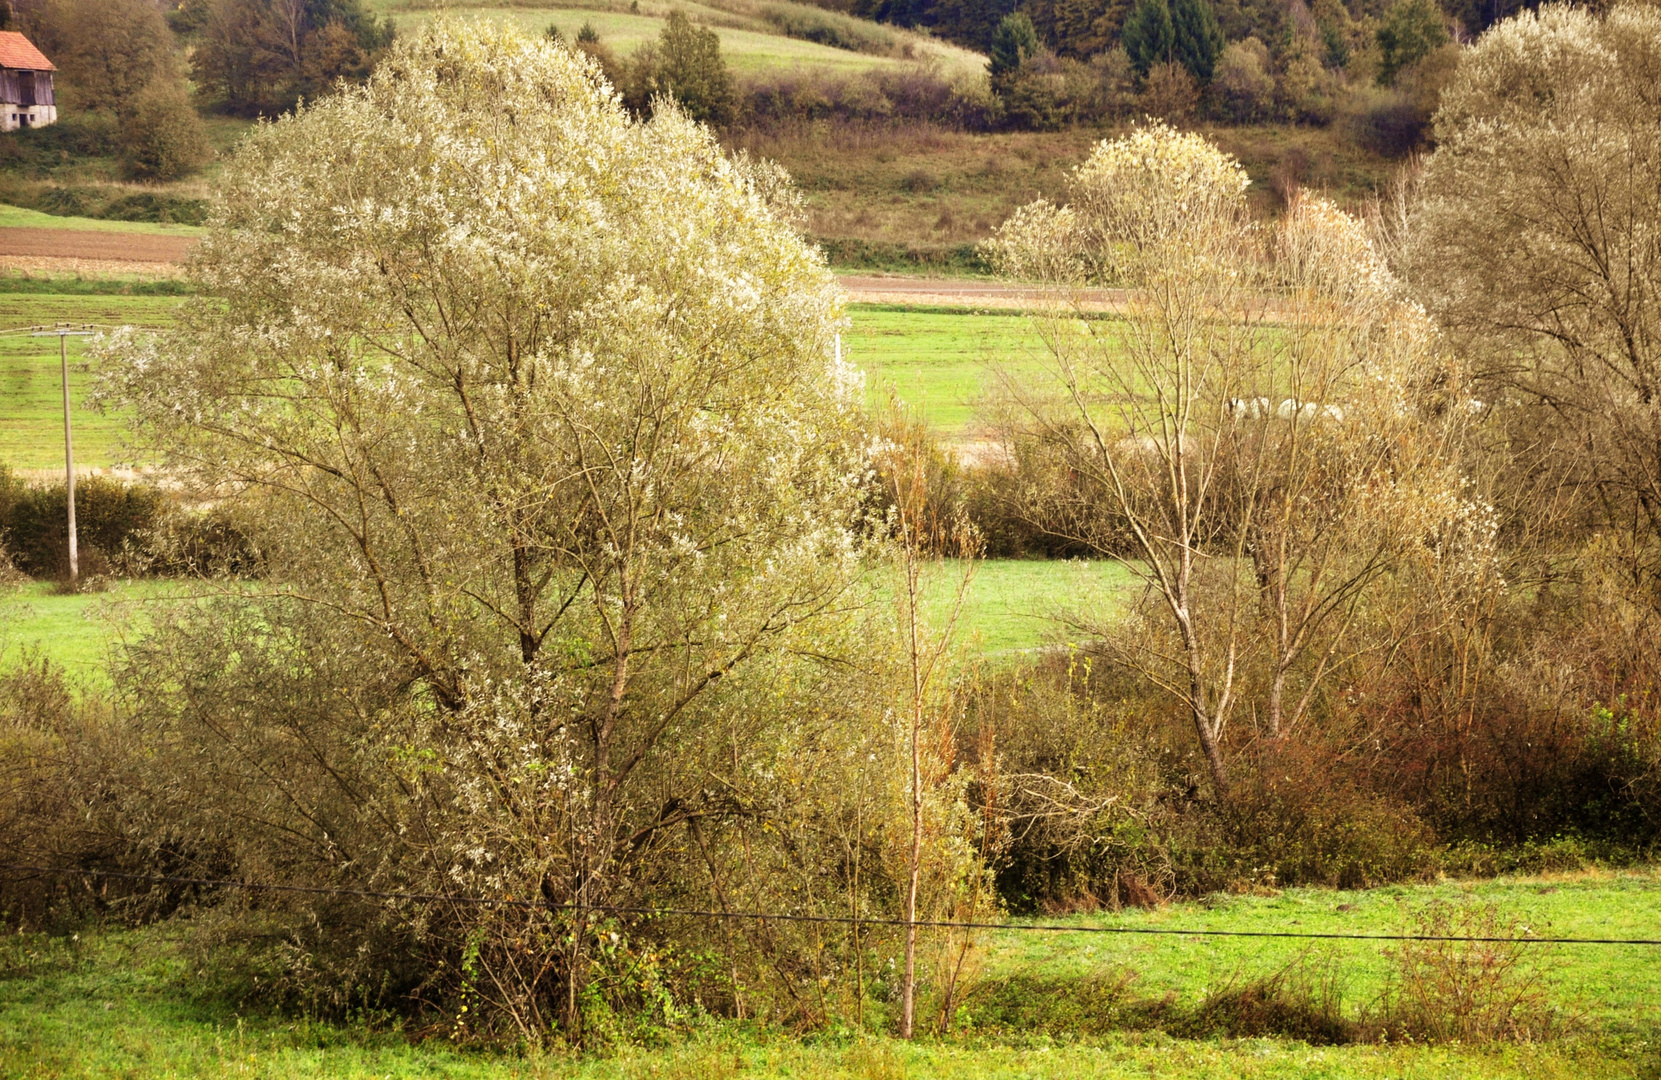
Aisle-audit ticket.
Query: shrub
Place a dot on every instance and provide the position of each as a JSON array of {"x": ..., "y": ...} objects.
[
  {"x": 1384, "y": 121},
  {"x": 832, "y": 28},
  {"x": 162, "y": 138},
  {"x": 112, "y": 523},
  {"x": 1243, "y": 87},
  {"x": 1035, "y": 98},
  {"x": 685, "y": 65},
  {"x": 149, "y": 206},
  {"x": 1467, "y": 991},
  {"x": 1169, "y": 92},
  {"x": 38, "y": 150}
]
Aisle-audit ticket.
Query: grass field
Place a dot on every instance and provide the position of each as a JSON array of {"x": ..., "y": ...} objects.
[
  {"x": 1007, "y": 611},
  {"x": 31, "y": 394},
  {"x": 77, "y": 631},
  {"x": 940, "y": 364},
  {"x": 751, "y": 44},
  {"x": 141, "y": 1004},
  {"x": 16, "y": 217},
  {"x": 935, "y": 362}
]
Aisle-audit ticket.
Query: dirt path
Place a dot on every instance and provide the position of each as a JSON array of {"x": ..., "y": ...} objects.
[
  {"x": 87, "y": 251},
  {"x": 957, "y": 292}
]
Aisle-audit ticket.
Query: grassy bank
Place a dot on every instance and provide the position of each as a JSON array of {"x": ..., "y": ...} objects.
[{"x": 150, "y": 1003}]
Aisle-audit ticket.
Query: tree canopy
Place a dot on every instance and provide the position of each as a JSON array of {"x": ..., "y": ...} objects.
[{"x": 538, "y": 416}]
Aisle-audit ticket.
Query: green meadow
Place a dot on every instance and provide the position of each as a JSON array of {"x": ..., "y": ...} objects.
[
  {"x": 31, "y": 386},
  {"x": 137, "y": 1004},
  {"x": 16, "y": 217},
  {"x": 940, "y": 364}
]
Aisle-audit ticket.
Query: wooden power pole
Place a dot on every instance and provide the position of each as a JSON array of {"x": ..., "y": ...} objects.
[{"x": 63, "y": 332}]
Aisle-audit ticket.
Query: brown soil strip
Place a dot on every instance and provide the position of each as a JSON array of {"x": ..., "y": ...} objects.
[
  {"x": 970, "y": 293},
  {"x": 88, "y": 244},
  {"x": 48, "y": 266}
]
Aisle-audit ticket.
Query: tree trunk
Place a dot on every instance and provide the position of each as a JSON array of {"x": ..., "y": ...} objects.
[{"x": 908, "y": 1010}]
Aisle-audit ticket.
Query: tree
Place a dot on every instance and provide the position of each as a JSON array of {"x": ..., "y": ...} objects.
[
  {"x": 106, "y": 51},
  {"x": 687, "y": 67},
  {"x": 1243, "y": 82},
  {"x": 1149, "y": 35},
  {"x": 1079, "y": 29},
  {"x": 1261, "y": 481},
  {"x": 263, "y": 56},
  {"x": 1548, "y": 166},
  {"x": 540, "y": 417},
  {"x": 1410, "y": 31},
  {"x": 162, "y": 138},
  {"x": 1169, "y": 93},
  {"x": 1013, "y": 43},
  {"x": 1196, "y": 38}
]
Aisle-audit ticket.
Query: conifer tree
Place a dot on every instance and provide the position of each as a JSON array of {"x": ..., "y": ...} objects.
[
  {"x": 1197, "y": 39},
  {"x": 1149, "y": 35},
  {"x": 1012, "y": 43}
]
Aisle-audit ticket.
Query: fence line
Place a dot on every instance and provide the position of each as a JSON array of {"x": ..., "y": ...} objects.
[{"x": 846, "y": 920}]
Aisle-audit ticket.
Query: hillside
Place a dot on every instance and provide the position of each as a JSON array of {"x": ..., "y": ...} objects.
[{"x": 756, "y": 38}]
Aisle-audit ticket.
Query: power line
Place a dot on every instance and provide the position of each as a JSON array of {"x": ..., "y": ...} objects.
[{"x": 761, "y": 916}]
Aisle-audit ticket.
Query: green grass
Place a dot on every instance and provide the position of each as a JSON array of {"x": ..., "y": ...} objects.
[
  {"x": 935, "y": 362},
  {"x": 142, "y": 1004},
  {"x": 938, "y": 363},
  {"x": 1614, "y": 989},
  {"x": 76, "y": 631},
  {"x": 1011, "y": 603},
  {"x": 1006, "y": 611},
  {"x": 31, "y": 393},
  {"x": 13, "y": 217}
]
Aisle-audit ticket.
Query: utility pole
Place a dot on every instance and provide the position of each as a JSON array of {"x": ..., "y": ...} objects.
[{"x": 63, "y": 332}]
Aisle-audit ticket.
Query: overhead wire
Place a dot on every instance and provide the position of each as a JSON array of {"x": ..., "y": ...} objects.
[{"x": 762, "y": 916}]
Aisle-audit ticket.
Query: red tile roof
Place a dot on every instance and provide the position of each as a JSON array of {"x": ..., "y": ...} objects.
[{"x": 17, "y": 51}]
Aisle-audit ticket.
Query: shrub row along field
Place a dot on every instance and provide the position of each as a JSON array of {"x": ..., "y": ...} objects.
[
  {"x": 917, "y": 196},
  {"x": 153, "y": 1003}
]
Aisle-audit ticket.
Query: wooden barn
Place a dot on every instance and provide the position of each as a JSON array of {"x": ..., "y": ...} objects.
[{"x": 26, "y": 98}]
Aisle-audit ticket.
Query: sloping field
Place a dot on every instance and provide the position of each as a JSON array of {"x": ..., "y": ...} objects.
[{"x": 751, "y": 42}]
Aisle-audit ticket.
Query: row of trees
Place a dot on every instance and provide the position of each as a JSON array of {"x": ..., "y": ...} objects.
[
  {"x": 1248, "y": 62},
  {"x": 254, "y": 57}
]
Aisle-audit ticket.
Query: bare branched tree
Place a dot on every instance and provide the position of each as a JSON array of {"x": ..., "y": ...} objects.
[
  {"x": 1260, "y": 430},
  {"x": 1535, "y": 247}
]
